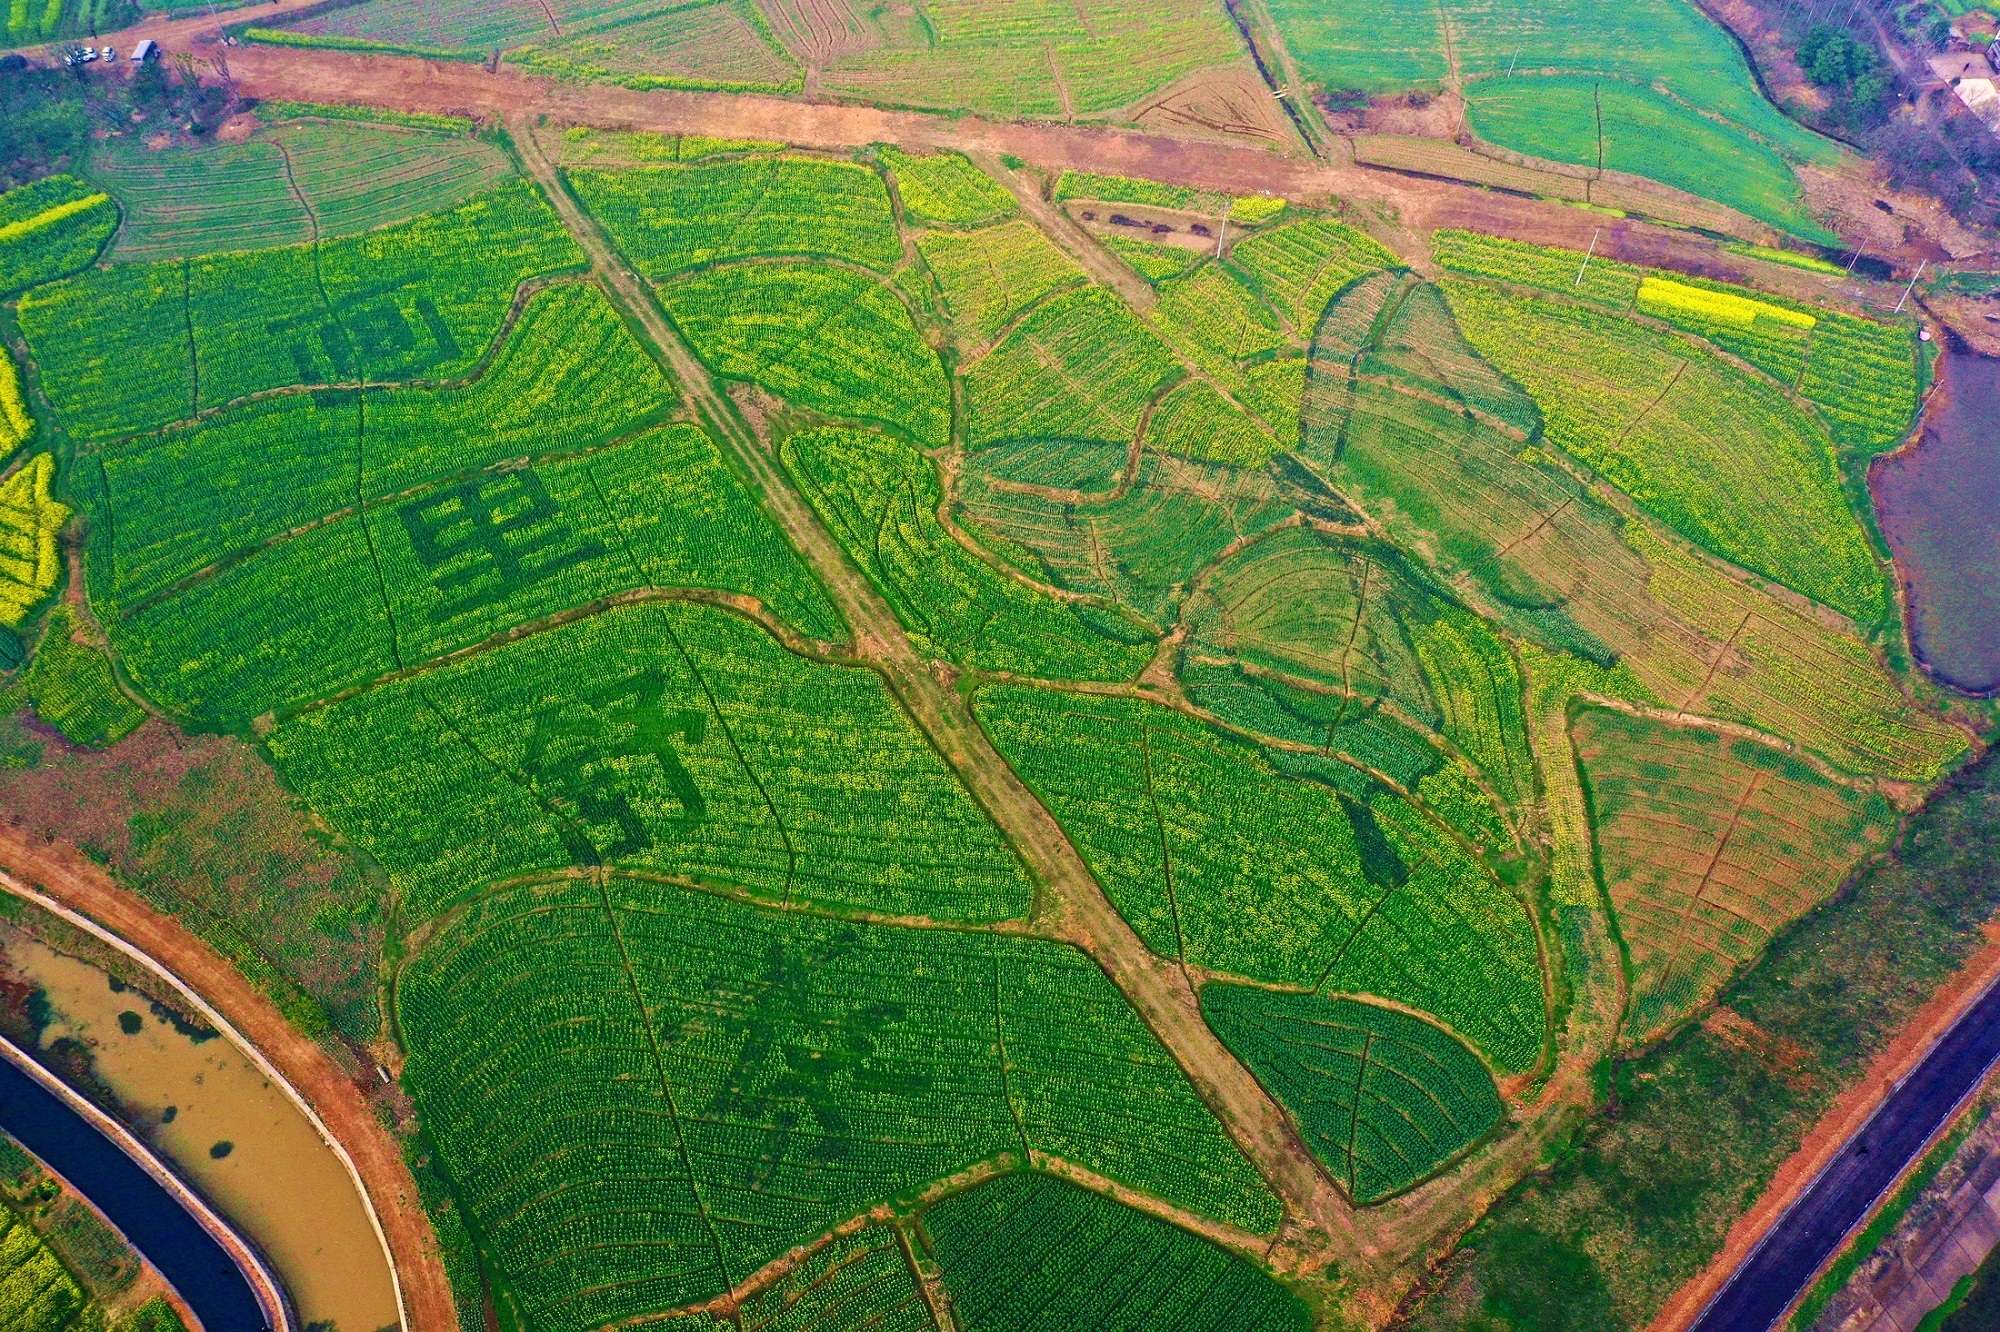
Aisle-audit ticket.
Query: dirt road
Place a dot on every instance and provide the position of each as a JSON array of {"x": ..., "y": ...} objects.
[
  {"x": 84, "y": 887},
  {"x": 1073, "y": 906}
]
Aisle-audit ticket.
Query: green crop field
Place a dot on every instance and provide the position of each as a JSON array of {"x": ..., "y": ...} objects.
[
  {"x": 1653, "y": 88},
  {"x": 825, "y": 338},
  {"x": 1081, "y": 366},
  {"x": 140, "y": 346},
  {"x": 1616, "y": 126},
  {"x": 880, "y": 498},
  {"x": 678, "y": 1024},
  {"x": 989, "y": 277},
  {"x": 669, "y": 740},
  {"x": 946, "y": 189},
  {"x": 1010, "y": 58},
  {"x": 1143, "y": 545},
  {"x": 288, "y": 183},
  {"x": 1383, "y": 1098},
  {"x": 1861, "y": 374},
  {"x": 718, "y": 45},
  {"x": 1559, "y": 569},
  {"x": 50, "y": 229},
  {"x": 1028, "y": 1251},
  {"x": 669, "y": 219},
  {"x": 1709, "y": 848},
  {"x": 919, "y": 766},
  {"x": 1724, "y": 459},
  {"x": 1346, "y": 895}
]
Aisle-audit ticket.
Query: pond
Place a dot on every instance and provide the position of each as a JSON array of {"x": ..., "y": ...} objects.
[{"x": 1939, "y": 505}]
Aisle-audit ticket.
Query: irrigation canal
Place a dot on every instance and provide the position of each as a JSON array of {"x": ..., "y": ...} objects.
[
  {"x": 1811, "y": 1231},
  {"x": 155, "y": 1222}
]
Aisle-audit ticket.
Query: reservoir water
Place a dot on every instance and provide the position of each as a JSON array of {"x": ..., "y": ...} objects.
[
  {"x": 1939, "y": 506},
  {"x": 187, "y": 1255},
  {"x": 231, "y": 1133}
]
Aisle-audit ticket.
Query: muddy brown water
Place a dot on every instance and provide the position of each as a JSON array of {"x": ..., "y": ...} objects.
[
  {"x": 1939, "y": 506},
  {"x": 277, "y": 1181}
]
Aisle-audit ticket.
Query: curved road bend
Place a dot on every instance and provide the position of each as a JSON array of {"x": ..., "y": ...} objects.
[
  {"x": 1812, "y": 1229},
  {"x": 197, "y": 1265}
]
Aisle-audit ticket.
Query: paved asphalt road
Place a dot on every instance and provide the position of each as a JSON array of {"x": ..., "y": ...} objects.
[{"x": 1808, "y": 1234}]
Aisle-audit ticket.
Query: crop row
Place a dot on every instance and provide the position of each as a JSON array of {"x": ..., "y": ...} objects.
[
  {"x": 138, "y": 346},
  {"x": 51, "y": 229},
  {"x": 1861, "y": 376},
  {"x": 1141, "y": 547},
  {"x": 1380, "y": 1097},
  {"x": 1860, "y": 373},
  {"x": 672, "y": 218},
  {"x": 1478, "y": 690},
  {"x": 1300, "y": 266},
  {"x": 1216, "y": 316},
  {"x": 641, "y": 1084},
  {"x": 863, "y": 1282},
  {"x": 1220, "y": 861},
  {"x": 1023, "y": 58},
  {"x": 824, "y": 338},
  {"x": 1708, "y": 848},
  {"x": 1338, "y": 613},
  {"x": 989, "y": 276},
  {"x": 1028, "y": 1251},
  {"x": 880, "y": 499},
  {"x": 1725, "y": 459},
  {"x": 1080, "y": 366},
  {"x": 30, "y": 517},
  {"x": 454, "y": 565},
  {"x": 1194, "y": 421},
  {"x": 569, "y": 377},
  {"x": 946, "y": 189},
  {"x": 288, "y": 184},
  {"x": 671, "y": 739},
  {"x": 1349, "y": 741}
]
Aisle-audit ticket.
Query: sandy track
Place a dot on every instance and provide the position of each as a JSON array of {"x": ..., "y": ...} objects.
[
  {"x": 65, "y": 875},
  {"x": 1833, "y": 1131}
]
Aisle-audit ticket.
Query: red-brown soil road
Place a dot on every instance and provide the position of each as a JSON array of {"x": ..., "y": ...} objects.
[{"x": 1399, "y": 208}]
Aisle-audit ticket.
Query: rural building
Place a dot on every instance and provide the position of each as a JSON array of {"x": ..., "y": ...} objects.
[{"x": 1970, "y": 74}]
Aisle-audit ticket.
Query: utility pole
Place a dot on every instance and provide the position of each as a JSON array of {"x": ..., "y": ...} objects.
[
  {"x": 1586, "y": 257},
  {"x": 1912, "y": 287}
]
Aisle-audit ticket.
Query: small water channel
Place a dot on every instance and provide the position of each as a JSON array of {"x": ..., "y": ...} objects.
[
  {"x": 1939, "y": 505},
  {"x": 229, "y": 1131}
]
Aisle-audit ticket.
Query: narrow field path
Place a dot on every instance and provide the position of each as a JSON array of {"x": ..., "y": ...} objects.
[
  {"x": 1100, "y": 263},
  {"x": 1073, "y": 907}
]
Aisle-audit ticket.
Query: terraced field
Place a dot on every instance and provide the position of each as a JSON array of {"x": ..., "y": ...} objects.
[
  {"x": 292, "y": 182},
  {"x": 907, "y": 781},
  {"x": 1709, "y": 847}
]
